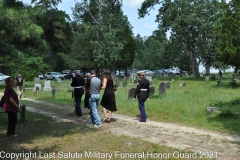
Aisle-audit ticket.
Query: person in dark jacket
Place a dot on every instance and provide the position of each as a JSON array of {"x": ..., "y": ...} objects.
[
  {"x": 142, "y": 93},
  {"x": 11, "y": 105},
  {"x": 78, "y": 83}
]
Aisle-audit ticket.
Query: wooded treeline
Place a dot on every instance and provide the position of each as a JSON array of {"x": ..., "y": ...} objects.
[{"x": 38, "y": 38}]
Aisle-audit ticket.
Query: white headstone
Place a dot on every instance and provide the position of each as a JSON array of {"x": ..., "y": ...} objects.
[
  {"x": 59, "y": 80},
  {"x": 35, "y": 86},
  {"x": 149, "y": 78},
  {"x": 207, "y": 78},
  {"x": 47, "y": 85}
]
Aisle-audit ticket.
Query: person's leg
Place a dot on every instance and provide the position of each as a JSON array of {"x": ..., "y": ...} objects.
[
  {"x": 94, "y": 105},
  {"x": 12, "y": 121},
  {"x": 19, "y": 89},
  {"x": 105, "y": 114},
  {"x": 142, "y": 110},
  {"x": 77, "y": 105}
]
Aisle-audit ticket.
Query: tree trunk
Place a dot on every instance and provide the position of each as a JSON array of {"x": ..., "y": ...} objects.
[
  {"x": 194, "y": 64},
  {"x": 207, "y": 67}
]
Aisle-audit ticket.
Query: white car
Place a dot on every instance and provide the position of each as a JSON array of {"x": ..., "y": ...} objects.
[
  {"x": 175, "y": 71},
  {"x": 3, "y": 77},
  {"x": 147, "y": 72},
  {"x": 53, "y": 76}
]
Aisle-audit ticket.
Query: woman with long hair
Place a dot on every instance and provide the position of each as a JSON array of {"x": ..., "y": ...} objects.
[
  {"x": 11, "y": 105},
  {"x": 108, "y": 101}
]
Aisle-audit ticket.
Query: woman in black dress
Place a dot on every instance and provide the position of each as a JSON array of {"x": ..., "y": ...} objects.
[{"x": 108, "y": 101}]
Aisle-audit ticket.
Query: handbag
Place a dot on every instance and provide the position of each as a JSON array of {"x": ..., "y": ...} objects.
[{"x": 115, "y": 87}]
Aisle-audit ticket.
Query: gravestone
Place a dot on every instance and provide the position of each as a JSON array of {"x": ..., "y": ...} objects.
[
  {"x": 117, "y": 81},
  {"x": 124, "y": 81},
  {"x": 182, "y": 84},
  {"x": 207, "y": 78},
  {"x": 37, "y": 88},
  {"x": 162, "y": 87},
  {"x": 36, "y": 80},
  {"x": 151, "y": 90},
  {"x": 47, "y": 85},
  {"x": 59, "y": 80},
  {"x": 133, "y": 77},
  {"x": 165, "y": 75},
  {"x": 149, "y": 79},
  {"x": 167, "y": 84},
  {"x": 173, "y": 80},
  {"x": 131, "y": 93}
]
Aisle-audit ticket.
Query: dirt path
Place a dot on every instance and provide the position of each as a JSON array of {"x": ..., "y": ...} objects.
[{"x": 206, "y": 143}]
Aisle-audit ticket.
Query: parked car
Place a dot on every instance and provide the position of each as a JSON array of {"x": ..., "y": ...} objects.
[
  {"x": 54, "y": 76},
  {"x": 3, "y": 77},
  {"x": 120, "y": 74},
  {"x": 159, "y": 72},
  {"x": 175, "y": 71},
  {"x": 147, "y": 72},
  {"x": 168, "y": 71},
  {"x": 40, "y": 76}
]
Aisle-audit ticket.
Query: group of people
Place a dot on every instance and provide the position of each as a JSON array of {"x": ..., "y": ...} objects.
[
  {"x": 93, "y": 85},
  {"x": 11, "y": 101}
]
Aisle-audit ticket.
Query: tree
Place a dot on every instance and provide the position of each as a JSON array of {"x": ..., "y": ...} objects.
[
  {"x": 185, "y": 20},
  {"x": 228, "y": 35}
]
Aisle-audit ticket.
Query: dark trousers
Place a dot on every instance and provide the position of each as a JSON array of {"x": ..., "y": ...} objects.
[
  {"x": 78, "y": 109},
  {"x": 142, "y": 110},
  {"x": 12, "y": 121}
]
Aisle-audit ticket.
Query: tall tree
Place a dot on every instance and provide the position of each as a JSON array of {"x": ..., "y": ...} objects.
[{"x": 228, "y": 35}]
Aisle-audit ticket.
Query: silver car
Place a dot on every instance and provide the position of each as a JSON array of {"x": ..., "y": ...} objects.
[{"x": 3, "y": 77}]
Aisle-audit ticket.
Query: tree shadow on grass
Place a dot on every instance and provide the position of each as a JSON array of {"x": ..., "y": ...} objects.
[{"x": 40, "y": 133}]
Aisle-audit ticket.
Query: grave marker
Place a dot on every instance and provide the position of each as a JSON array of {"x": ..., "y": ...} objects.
[
  {"x": 47, "y": 85},
  {"x": 151, "y": 90},
  {"x": 37, "y": 88},
  {"x": 131, "y": 93},
  {"x": 162, "y": 87},
  {"x": 182, "y": 84}
]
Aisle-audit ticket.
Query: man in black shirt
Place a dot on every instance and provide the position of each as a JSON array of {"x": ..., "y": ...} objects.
[
  {"x": 20, "y": 80},
  {"x": 78, "y": 83}
]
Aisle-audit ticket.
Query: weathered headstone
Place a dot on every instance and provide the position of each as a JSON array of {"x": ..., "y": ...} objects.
[
  {"x": 133, "y": 77},
  {"x": 162, "y": 87},
  {"x": 124, "y": 81},
  {"x": 117, "y": 81},
  {"x": 37, "y": 88},
  {"x": 151, "y": 90},
  {"x": 149, "y": 79},
  {"x": 22, "y": 111},
  {"x": 131, "y": 93},
  {"x": 59, "y": 80},
  {"x": 47, "y": 85},
  {"x": 182, "y": 84},
  {"x": 36, "y": 80},
  {"x": 207, "y": 78},
  {"x": 173, "y": 80},
  {"x": 53, "y": 90},
  {"x": 167, "y": 84}
]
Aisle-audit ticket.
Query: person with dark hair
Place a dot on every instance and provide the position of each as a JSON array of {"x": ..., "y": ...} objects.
[
  {"x": 94, "y": 86},
  {"x": 142, "y": 93},
  {"x": 20, "y": 81},
  {"x": 11, "y": 105},
  {"x": 86, "y": 98},
  {"x": 108, "y": 101},
  {"x": 78, "y": 83}
]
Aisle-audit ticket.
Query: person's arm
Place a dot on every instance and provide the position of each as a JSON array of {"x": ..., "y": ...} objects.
[
  {"x": 13, "y": 102},
  {"x": 137, "y": 89},
  {"x": 104, "y": 83}
]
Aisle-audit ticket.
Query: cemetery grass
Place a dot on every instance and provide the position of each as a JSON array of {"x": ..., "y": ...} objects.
[{"x": 182, "y": 105}]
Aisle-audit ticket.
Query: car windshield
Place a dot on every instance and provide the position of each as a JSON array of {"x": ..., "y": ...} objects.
[{"x": 55, "y": 73}]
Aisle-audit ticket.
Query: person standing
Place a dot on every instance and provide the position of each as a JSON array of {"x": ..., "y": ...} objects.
[
  {"x": 142, "y": 93},
  {"x": 94, "y": 87},
  {"x": 11, "y": 105},
  {"x": 78, "y": 83},
  {"x": 20, "y": 81},
  {"x": 108, "y": 101}
]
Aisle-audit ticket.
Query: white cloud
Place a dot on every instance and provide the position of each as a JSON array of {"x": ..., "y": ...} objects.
[{"x": 132, "y": 3}]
